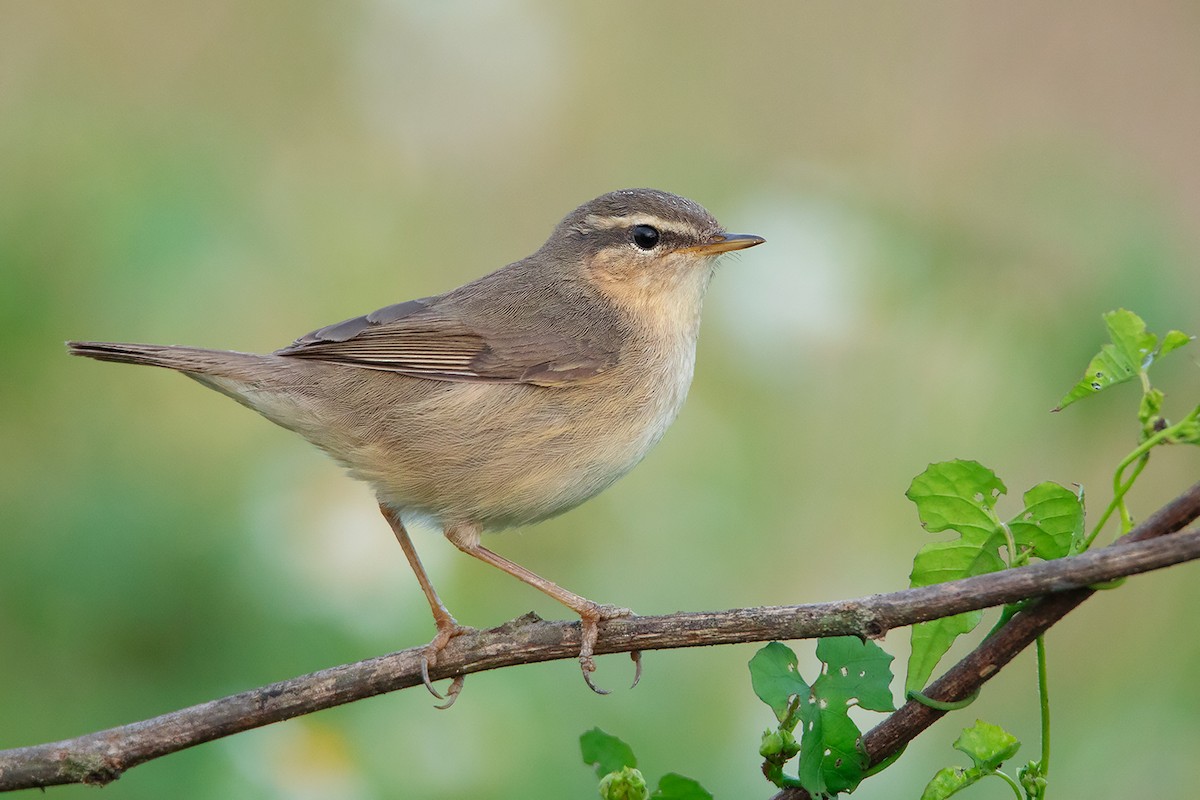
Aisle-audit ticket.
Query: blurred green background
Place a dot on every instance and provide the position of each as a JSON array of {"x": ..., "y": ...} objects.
[{"x": 952, "y": 194}]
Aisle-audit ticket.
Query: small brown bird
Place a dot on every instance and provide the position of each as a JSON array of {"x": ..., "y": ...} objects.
[{"x": 505, "y": 401}]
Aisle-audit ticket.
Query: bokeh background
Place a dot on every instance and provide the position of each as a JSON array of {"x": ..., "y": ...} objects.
[{"x": 952, "y": 194}]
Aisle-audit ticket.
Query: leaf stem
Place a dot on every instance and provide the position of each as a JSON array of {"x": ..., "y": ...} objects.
[
  {"x": 1012, "y": 784},
  {"x": 1123, "y": 507},
  {"x": 941, "y": 705},
  {"x": 1044, "y": 696},
  {"x": 1121, "y": 485},
  {"x": 1012, "y": 543}
]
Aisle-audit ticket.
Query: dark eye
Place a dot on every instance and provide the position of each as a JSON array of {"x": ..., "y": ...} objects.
[{"x": 645, "y": 236}]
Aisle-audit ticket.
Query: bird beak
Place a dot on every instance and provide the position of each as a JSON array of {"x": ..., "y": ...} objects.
[{"x": 723, "y": 243}]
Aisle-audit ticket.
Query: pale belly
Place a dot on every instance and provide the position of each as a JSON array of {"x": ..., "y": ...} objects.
[
  {"x": 533, "y": 452},
  {"x": 492, "y": 454}
]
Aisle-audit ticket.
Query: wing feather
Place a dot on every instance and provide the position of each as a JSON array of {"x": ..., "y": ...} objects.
[{"x": 438, "y": 339}]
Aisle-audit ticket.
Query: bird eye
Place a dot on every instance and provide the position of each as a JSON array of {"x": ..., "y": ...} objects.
[{"x": 645, "y": 236}]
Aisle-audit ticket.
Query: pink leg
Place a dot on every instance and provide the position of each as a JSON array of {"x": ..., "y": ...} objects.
[
  {"x": 447, "y": 626},
  {"x": 466, "y": 538}
]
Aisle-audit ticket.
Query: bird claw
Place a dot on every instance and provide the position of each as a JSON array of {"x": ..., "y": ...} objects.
[
  {"x": 456, "y": 686},
  {"x": 590, "y": 631},
  {"x": 588, "y": 666},
  {"x": 446, "y": 632}
]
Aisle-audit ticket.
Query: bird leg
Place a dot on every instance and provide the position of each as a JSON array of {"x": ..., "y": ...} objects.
[
  {"x": 447, "y": 626},
  {"x": 591, "y": 614}
]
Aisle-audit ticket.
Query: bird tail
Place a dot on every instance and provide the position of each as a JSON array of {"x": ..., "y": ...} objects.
[{"x": 192, "y": 360}]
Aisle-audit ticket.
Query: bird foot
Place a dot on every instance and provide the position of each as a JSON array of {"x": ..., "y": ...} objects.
[
  {"x": 447, "y": 630},
  {"x": 590, "y": 619}
]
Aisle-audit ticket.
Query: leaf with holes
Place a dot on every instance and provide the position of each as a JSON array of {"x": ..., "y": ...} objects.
[
  {"x": 855, "y": 673},
  {"x": 1052, "y": 523},
  {"x": 959, "y": 496},
  {"x": 831, "y": 760},
  {"x": 775, "y": 679},
  {"x": 956, "y": 495},
  {"x": 1131, "y": 352}
]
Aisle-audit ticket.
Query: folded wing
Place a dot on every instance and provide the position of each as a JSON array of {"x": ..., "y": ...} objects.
[{"x": 431, "y": 338}]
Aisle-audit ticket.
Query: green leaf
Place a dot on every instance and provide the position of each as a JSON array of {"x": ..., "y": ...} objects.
[
  {"x": 974, "y": 553},
  {"x": 956, "y": 494},
  {"x": 1106, "y": 369},
  {"x": 1173, "y": 341},
  {"x": 949, "y": 781},
  {"x": 930, "y": 641},
  {"x": 988, "y": 745},
  {"x": 775, "y": 679},
  {"x": 1051, "y": 522},
  {"x": 1131, "y": 349},
  {"x": 857, "y": 673},
  {"x": 960, "y": 496},
  {"x": 677, "y": 787},
  {"x": 1129, "y": 335},
  {"x": 606, "y": 752},
  {"x": 831, "y": 756}
]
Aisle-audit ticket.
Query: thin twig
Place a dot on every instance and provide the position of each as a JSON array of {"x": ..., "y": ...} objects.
[{"x": 102, "y": 757}]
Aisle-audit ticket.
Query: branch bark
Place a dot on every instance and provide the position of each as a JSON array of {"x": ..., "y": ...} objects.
[
  {"x": 101, "y": 757},
  {"x": 969, "y": 675}
]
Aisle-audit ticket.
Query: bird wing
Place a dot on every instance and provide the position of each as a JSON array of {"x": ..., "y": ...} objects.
[{"x": 430, "y": 338}]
